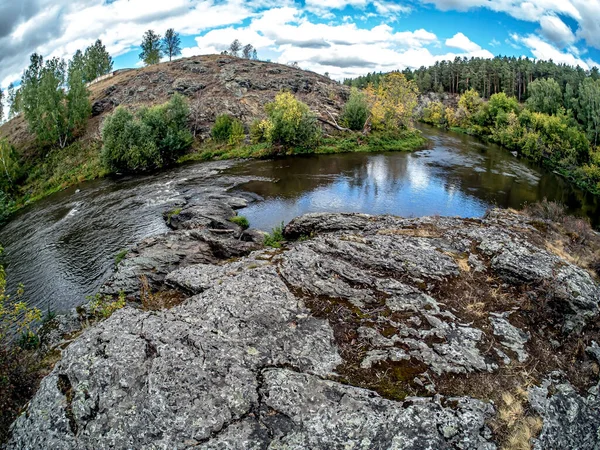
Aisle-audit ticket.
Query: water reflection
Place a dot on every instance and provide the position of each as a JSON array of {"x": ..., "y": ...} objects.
[{"x": 457, "y": 176}]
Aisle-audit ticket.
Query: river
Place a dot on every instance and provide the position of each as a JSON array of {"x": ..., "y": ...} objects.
[{"x": 63, "y": 247}]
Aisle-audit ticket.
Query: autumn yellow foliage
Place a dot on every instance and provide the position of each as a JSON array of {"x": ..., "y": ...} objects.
[{"x": 392, "y": 103}]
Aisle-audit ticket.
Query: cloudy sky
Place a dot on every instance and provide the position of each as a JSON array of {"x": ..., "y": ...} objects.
[{"x": 342, "y": 37}]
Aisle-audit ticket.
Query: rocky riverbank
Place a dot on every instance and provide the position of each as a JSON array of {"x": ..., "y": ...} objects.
[{"x": 368, "y": 332}]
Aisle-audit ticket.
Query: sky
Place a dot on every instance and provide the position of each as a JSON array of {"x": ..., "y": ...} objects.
[{"x": 343, "y": 38}]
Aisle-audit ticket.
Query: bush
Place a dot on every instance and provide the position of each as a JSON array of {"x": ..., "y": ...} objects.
[
  {"x": 261, "y": 131},
  {"x": 241, "y": 221},
  {"x": 154, "y": 137},
  {"x": 238, "y": 134},
  {"x": 275, "y": 238},
  {"x": 292, "y": 124},
  {"x": 356, "y": 111},
  {"x": 221, "y": 131}
]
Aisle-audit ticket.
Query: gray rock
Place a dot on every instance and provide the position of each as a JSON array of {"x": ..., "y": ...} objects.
[
  {"x": 594, "y": 351},
  {"x": 510, "y": 336},
  {"x": 571, "y": 421}
]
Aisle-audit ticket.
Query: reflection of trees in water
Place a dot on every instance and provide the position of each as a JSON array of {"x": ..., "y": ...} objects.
[{"x": 458, "y": 166}]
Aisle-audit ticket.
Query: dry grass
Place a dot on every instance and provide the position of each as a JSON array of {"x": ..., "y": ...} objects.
[
  {"x": 156, "y": 301},
  {"x": 515, "y": 426}
]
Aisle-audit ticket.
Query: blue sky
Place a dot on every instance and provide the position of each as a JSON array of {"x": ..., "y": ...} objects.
[{"x": 342, "y": 37}]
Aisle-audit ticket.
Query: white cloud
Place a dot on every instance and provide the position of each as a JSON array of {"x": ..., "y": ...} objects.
[
  {"x": 343, "y": 50},
  {"x": 543, "y": 50},
  {"x": 585, "y": 12},
  {"x": 462, "y": 42},
  {"x": 556, "y": 31}
]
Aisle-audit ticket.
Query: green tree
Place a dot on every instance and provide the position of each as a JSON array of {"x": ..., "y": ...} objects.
[
  {"x": 55, "y": 104},
  {"x": 96, "y": 62},
  {"x": 152, "y": 138},
  {"x": 1, "y": 105},
  {"x": 247, "y": 51},
  {"x": 545, "y": 96},
  {"x": 356, "y": 110},
  {"x": 291, "y": 123},
  {"x": 235, "y": 47},
  {"x": 171, "y": 44},
  {"x": 589, "y": 108},
  {"x": 13, "y": 97},
  {"x": 151, "y": 48}
]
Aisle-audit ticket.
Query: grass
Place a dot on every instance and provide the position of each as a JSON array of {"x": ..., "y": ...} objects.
[
  {"x": 120, "y": 257},
  {"x": 169, "y": 215},
  {"x": 275, "y": 238},
  {"x": 241, "y": 221},
  {"x": 60, "y": 169}
]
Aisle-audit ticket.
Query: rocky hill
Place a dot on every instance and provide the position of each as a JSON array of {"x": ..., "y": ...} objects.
[{"x": 213, "y": 84}]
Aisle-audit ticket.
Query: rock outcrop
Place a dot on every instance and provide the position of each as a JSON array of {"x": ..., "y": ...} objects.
[{"x": 369, "y": 332}]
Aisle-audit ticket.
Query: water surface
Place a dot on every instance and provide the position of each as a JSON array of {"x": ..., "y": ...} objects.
[{"x": 456, "y": 176}]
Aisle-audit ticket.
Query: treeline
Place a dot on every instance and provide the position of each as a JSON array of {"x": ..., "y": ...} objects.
[{"x": 489, "y": 76}]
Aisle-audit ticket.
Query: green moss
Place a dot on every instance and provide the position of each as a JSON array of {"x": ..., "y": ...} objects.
[{"x": 241, "y": 221}]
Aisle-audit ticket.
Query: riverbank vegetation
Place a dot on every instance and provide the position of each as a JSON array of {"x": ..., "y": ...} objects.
[
  {"x": 21, "y": 368},
  {"x": 546, "y": 112}
]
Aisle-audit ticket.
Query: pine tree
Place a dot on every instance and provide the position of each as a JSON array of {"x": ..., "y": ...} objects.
[
  {"x": 151, "y": 48},
  {"x": 171, "y": 44}
]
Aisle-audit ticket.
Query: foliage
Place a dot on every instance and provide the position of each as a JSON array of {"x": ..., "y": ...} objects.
[
  {"x": 171, "y": 44},
  {"x": 152, "y": 49},
  {"x": 588, "y": 109},
  {"x": 241, "y": 221},
  {"x": 95, "y": 62},
  {"x": 275, "y": 238},
  {"x": 292, "y": 124},
  {"x": 238, "y": 133},
  {"x": 2, "y": 95},
  {"x": 152, "y": 138},
  {"x": 120, "y": 256},
  {"x": 14, "y": 101},
  {"x": 228, "y": 130},
  {"x": 545, "y": 96},
  {"x": 55, "y": 103},
  {"x": 10, "y": 170},
  {"x": 392, "y": 103},
  {"x": 261, "y": 131},
  {"x": 235, "y": 47},
  {"x": 510, "y": 75},
  {"x": 221, "y": 130},
  {"x": 18, "y": 368},
  {"x": 103, "y": 306},
  {"x": 356, "y": 111}
]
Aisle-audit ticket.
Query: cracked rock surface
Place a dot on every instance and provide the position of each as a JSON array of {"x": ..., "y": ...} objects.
[{"x": 375, "y": 333}]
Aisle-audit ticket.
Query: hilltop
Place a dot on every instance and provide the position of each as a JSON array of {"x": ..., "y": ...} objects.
[{"x": 213, "y": 85}]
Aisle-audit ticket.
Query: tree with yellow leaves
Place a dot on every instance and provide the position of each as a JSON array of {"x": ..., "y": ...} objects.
[{"x": 392, "y": 103}]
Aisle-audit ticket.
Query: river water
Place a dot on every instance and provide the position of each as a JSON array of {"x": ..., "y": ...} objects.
[{"x": 63, "y": 247}]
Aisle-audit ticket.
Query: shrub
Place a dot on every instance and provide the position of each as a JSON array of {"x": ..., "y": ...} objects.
[
  {"x": 152, "y": 138},
  {"x": 275, "y": 238},
  {"x": 19, "y": 366},
  {"x": 261, "y": 131},
  {"x": 292, "y": 123},
  {"x": 103, "y": 306},
  {"x": 546, "y": 210},
  {"x": 238, "y": 134},
  {"x": 221, "y": 131},
  {"x": 241, "y": 221},
  {"x": 356, "y": 111}
]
